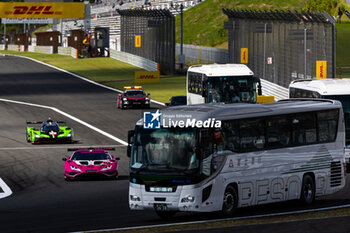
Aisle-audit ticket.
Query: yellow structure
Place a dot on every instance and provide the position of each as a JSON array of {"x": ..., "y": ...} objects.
[
  {"x": 264, "y": 99},
  {"x": 147, "y": 76}
]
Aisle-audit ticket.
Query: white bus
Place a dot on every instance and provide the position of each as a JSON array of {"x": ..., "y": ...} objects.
[
  {"x": 336, "y": 89},
  {"x": 258, "y": 154},
  {"x": 228, "y": 83}
]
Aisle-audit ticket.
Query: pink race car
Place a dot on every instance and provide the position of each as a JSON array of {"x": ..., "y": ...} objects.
[{"x": 90, "y": 162}]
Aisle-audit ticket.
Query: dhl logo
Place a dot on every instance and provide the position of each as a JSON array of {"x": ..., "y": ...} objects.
[
  {"x": 147, "y": 77},
  {"x": 42, "y": 10},
  {"x": 321, "y": 71},
  {"x": 36, "y": 10}
]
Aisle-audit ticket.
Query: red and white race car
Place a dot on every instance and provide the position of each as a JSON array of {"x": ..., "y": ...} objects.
[
  {"x": 133, "y": 96},
  {"x": 90, "y": 162}
]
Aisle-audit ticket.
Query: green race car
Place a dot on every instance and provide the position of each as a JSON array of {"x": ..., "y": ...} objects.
[{"x": 49, "y": 132}]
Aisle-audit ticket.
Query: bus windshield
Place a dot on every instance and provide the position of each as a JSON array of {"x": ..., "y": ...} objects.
[
  {"x": 345, "y": 101},
  {"x": 231, "y": 89},
  {"x": 168, "y": 150}
]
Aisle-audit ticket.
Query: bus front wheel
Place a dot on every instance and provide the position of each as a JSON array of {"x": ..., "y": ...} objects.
[
  {"x": 230, "y": 203},
  {"x": 307, "y": 190}
]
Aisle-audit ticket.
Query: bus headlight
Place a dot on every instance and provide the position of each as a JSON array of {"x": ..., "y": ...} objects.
[
  {"x": 134, "y": 198},
  {"x": 188, "y": 199}
]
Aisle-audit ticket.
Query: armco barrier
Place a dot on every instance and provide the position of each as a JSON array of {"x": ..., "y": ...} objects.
[
  {"x": 41, "y": 49},
  {"x": 13, "y": 47},
  {"x": 67, "y": 51},
  {"x": 134, "y": 60},
  {"x": 203, "y": 55},
  {"x": 272, "y": 89}
]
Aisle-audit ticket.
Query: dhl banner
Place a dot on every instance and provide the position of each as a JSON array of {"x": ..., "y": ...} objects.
[
  {"x": 321, "y": 69},
  {"x": 138, "y": 41},
  {"x": 147, "y": 76},
  {"x": 42, "y": 10},
  {"x": 244, "y": 55}
]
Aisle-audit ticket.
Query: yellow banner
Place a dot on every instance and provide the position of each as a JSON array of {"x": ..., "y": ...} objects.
[
  {"x": 244, "y": 55},
  {"x": 147, "y": 76},
  {"x": 321, "y": 69},
  {"x": 138, "y": 41},
  {"x": 42, "y": 10}
]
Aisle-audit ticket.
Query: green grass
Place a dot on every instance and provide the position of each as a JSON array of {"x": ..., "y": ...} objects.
[
  {"x": 204, "y": 24},
  {"x": 342, "y": 44},
  {"x": 111, "y": 73}
]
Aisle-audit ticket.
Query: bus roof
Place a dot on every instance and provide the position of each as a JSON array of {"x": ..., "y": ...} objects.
[
  {"x": 220, "y": 111},
  {"x": 222, "y": 70},
  {"x": 324, "y": 86}
]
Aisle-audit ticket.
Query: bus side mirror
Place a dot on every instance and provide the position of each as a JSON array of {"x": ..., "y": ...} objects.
[
  {"x": 130, "y": 136},
  {"x": 257, "y": 80},
  {"x": 204, "y": 93}
]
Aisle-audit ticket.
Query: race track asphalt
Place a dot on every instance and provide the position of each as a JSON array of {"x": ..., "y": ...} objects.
[{"x": 42, "y": 201}]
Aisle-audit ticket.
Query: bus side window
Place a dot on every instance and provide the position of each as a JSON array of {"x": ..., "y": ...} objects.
[
  {"x": 278, "y": 132},
  {"x": 304, "y": 128},
  {"x": 231, "y": 136},
  {"x": 327, "y": 125},
  {"x": 252, "y": 133}
]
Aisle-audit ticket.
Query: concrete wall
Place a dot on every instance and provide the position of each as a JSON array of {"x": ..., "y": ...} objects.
[
  {"x": 134, "y": 60},
  {"x": 41, "y": 49},
  {"x": 13, "y": 47},
  {"x": 67, "y": 51},
  {"x": 2, "y": 47}
]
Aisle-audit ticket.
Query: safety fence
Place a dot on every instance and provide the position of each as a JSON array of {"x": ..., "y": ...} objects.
[
  {"x": 280, "y": 46},
  {"x": 134, "y": 60},
  {"x": 203, "y": 55},
  {"x": 343, "y": 72},
  {"x": 272, "y": 89},
  {"x": 149, "y": 34}
]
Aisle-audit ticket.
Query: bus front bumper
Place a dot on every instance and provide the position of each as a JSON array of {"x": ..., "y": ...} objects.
[{"x": 180, "y": 200}]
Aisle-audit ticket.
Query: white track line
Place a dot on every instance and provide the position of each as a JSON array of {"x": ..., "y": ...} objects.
[
  {"x": 7, "y": 191},
  {"x": 80, "y": 77},
  {"x": 71, "y": 117},
  {"x": 223, "y": 219}
]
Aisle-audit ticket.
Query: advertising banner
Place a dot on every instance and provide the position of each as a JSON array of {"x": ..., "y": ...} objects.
[
  {"x": 42, "y": 9},
  {"x": 146, "y": 76},
  {"x": 138, "y": 41},
  {"x": 244, "y": 55},
  {"x": 321, "y": 69}
]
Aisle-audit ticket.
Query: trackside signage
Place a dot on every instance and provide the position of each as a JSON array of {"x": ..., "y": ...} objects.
[
  {"x": 147, "y": 76},
  {"x": 154, "y": 120},
  {"x": 42, "y": 10},
  {"x": 321, "y": 69}
]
